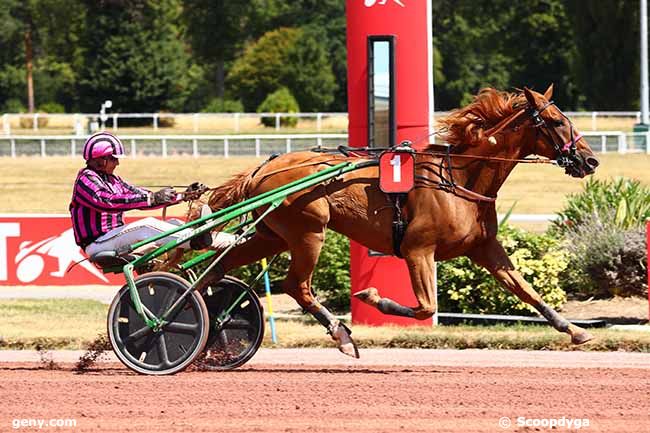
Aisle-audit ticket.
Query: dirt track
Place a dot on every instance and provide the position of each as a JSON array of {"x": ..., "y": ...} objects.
[{"x": 305, "y": 394}]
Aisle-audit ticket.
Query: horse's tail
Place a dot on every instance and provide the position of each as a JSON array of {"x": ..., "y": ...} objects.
[{"x": 235, "y": 190}]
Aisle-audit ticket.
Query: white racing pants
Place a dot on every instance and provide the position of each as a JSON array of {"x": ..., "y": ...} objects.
[{"x": 140, "y": 230}]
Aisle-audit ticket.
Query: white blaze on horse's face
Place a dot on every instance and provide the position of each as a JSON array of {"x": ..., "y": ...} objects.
[{"x": 558, "y": 139}]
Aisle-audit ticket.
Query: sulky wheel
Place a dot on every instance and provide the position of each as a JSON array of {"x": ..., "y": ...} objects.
[
  {"x": 178, "y": 342},
  {"x": 234, "y": 337}
]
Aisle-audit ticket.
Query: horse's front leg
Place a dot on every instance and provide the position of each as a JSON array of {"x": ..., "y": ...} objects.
[
  {"x": 421, "y": 270},
  {"x": 493, "y": 257}
]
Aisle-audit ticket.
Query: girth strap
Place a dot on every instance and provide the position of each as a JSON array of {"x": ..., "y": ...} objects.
[{"x": 399, "y": 223}]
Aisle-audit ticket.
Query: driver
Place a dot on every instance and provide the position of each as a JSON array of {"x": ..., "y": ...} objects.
[{"x": 100, "y": 198}]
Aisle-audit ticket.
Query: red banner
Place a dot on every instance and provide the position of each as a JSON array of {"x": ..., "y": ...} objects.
[
  {"x": 408, "y": 23},
  {"x": 38, "y": 249}
]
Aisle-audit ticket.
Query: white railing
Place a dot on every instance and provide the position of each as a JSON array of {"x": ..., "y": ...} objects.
[
  {"x": 164, "y": 145},
  {"x": 195, "y": 123},
  {"x": 254, "y": 144},
  {"x": 82, "y": 123}
]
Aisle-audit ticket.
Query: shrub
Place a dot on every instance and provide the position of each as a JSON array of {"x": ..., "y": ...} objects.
[
  {"x": 629, "y": 199},
  {"x": 13, "y": 105},
  {"x": 466, "y": 288},
  {"x": 331, "y": 280},
  {"x": 221, "y": 105},
  {"x": 51, "y": 107},
  {"x": 27, "y": 121},
  {"x": 165, "y": 120},
  {"x": 280, "y": 101},
  {"x": 603, "y": 230},
  {"x": 606, "y": 259}
]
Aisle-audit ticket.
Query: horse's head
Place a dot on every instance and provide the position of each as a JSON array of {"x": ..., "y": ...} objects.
[{"x": 556, "y": 137}]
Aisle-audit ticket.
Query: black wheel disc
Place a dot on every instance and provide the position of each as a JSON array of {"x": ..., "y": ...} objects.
[
  {"x": 169, "y": 349},
  {"x": 235, "y": 337}
]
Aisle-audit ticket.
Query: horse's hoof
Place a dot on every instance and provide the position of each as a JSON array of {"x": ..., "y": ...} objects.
[
  {"x": 345, "y": 343},
  {"x": 581, "y": 337},
  {"x": 369, "y": 296}
]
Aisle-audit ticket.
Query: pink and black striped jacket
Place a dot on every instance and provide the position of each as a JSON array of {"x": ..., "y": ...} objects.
[{"x": 98, "y": 203}]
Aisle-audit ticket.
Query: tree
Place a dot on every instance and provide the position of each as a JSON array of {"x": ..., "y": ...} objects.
[
  {"x": 541, "y": 42},
  {"x": 504, "y": 45},
  {"x": 216, "y": 33},
  {"x": 468, "y": 36},
  {"x": 607, "y": 56},
  {"x": 132, "y": 54},
  {"x": 286, "y": 57}
]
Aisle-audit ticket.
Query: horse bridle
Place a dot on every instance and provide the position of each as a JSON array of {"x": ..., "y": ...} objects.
[{"x": 566, "y": 152}]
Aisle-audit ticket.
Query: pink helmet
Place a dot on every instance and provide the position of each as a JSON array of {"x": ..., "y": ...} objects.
[{"x": 103, "y": 144}]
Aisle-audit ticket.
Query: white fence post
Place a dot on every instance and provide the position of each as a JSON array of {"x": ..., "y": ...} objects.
[
  {"x": 647, "y": 143},
  {"x": 257, "y": 147},
  {"x": 195, "y": 148},
  {"x": 225, "y": 148},
  {"x": 319, "y": 142},
  {"x": 13, "y": 148},
  {"x": 319, "y": 121},
  {"x": 164, "y": 148},
  {"x": 277, "y": 121},
  {"x": 155, "y": 121},
  {"x": 6, "y": 126},
  {"x": 594, "y": 116},
  {"x": 35, "y": 122},
  {"x": 622, "y": 143},
  {"x": 133, "y": 148},
  {"x": 43, "y": 148},
  {"x": 603, "y": 144},
  {"x": 114, "y": 121},
  {"x": 288, "y": 145},
  {"x": 72, "y": 146}
]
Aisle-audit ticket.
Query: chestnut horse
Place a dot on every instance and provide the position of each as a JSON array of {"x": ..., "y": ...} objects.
[{"x": 451, "y": 211}]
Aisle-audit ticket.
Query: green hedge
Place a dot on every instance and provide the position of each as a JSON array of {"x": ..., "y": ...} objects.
[{"x": 466, "y": 288}]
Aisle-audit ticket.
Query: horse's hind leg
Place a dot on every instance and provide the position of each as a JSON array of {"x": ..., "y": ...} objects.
[
  {"x": 304, "y": 256},
  {"x": 492, "y": 256}
]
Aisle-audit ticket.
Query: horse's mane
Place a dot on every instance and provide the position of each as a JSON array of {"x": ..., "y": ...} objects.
[
  {"x": 232, "y": 191},
  {"x": 465, "y": 126}
]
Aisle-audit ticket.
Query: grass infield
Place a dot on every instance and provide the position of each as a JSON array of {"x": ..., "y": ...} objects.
[
  {"x": 44, "y": 185},
  {"x": 74, "y": 324}
]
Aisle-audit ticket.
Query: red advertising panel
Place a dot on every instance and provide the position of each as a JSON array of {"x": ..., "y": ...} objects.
[
  {"x": 396, "y": 172},
  {"x": 38, "y": 249},
  {"x": 407, "y": 23}
]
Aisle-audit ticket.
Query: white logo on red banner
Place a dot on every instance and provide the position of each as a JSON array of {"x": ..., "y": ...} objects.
[
  {"x": 39, "y": 251},
  {"x": 370, "y": 3}
]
